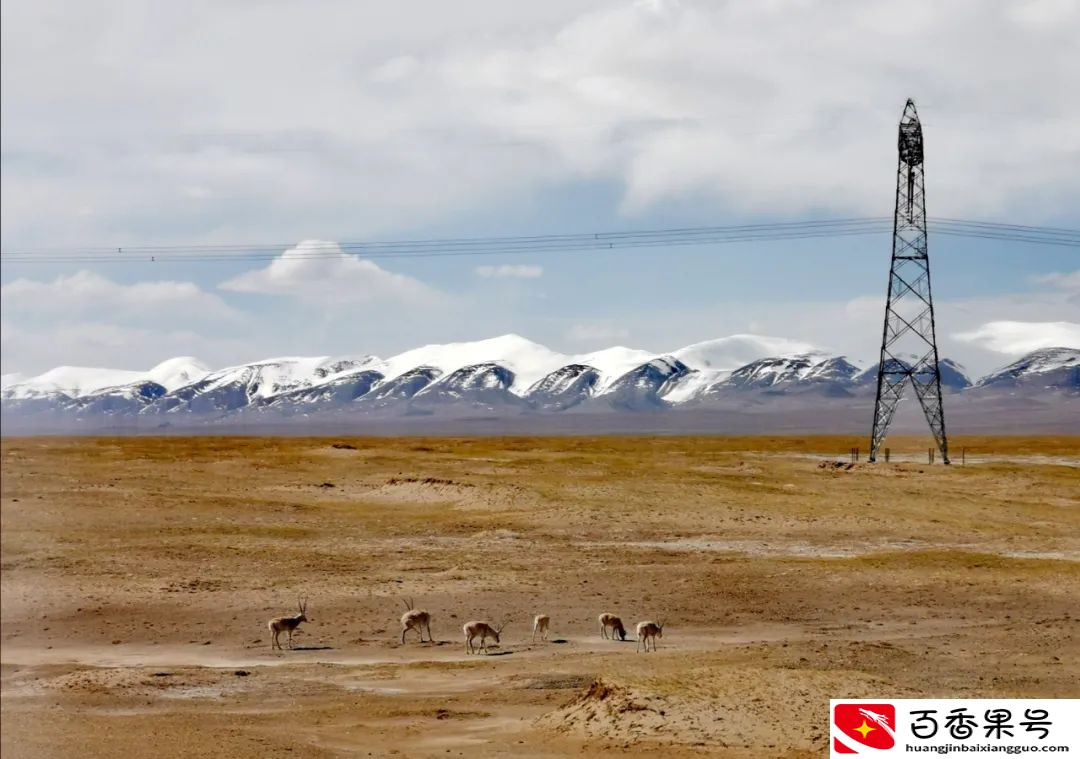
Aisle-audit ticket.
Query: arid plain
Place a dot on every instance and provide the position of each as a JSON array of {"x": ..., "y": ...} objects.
[{"x": 139, "y": 573}]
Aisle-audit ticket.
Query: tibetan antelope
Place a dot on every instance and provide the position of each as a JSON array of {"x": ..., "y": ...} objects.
[
  {"x": 415, "y": 619},
  {"x": 279, "y": 625},
  {"x": 616, "y": 625},
  {"x": 647, "y": 630},
  {"x": 540, "y": 625},
  {"x": 482, "y": 630}
]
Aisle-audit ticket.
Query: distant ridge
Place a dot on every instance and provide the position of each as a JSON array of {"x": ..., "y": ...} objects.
[{"x": 507, "y": 376}]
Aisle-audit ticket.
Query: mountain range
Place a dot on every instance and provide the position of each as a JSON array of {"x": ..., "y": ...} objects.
[{"x": 506, "y": 377}]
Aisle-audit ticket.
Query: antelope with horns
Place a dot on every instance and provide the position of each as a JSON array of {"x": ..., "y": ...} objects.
[
  {"x": 647, "y": 630},
  {"x": 540, "y": 625},
  {"x": 482, "y": 630},
  {"x": 613, "y": 622},
  {"x": 415, "y": 619},
  {"x": 279, "y": 625}
]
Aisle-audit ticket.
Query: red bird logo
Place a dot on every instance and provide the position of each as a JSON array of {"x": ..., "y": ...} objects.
[{"x": 863, "y": 728}]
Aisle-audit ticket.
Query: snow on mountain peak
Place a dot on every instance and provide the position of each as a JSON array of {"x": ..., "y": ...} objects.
[
  {"x": 615, "y": 360},
  {"x": 1049, "y": 359},
  {"x": 72, "y": 381},
  {"x": 491, "y": 371},
  {"x": 177, "y": 372},
  {"x": 75, "y": 381},
  {"x": 273, "y": 376},
  {"x": 734, "y": 351},
  {"x": 1058, "y": 366},
  {"x": 528, "y": 360},
  {"x": 14, "y": 378},
  {"x": 808, "y": 366},
  {"x": 667, "y": 365}
]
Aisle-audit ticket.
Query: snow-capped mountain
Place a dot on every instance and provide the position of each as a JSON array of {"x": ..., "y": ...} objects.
[
  {"x": 336, "y": 388},
  {"x": 79, "y": 381},
  {"x": 1050, "y": 368},
  {"x": 953, "y": 376},
  {"x": 478, "y": 386},
  {"x": 507, "y": 375},
  {"x": 819, "y": 374},
  {"x": 526, "y": 360},
  {"x": 729, "y": 353},
  {"x": 239, "y": 386},
  {"x": 643, "y": 387},
  {"x": 564, "y": 388},
  {"x": 400, "y": 389},
  {"x": 797, "y": 372},
  {"x": 126, "y": 399},
  {"x": 89, "y": 391},
  {"x": 713, "y": 361}
]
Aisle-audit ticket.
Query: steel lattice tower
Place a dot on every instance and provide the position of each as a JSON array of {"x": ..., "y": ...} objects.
[{"x": 908, "y": 344}]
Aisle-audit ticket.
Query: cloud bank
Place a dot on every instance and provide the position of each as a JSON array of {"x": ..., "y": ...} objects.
[
  {"x": 319, "y": 272},
  {"x": 88, "y": 295},
  {"x": 356, "y": 120},
  {"x": 1016, "y": 338}
]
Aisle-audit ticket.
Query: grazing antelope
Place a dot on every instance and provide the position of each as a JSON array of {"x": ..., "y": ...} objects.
[
  {"x": 647, "y": 630},
  {"x": 483, "y": 630},
  {"x": 415, "y": 619},
  {"x": 279, "y": 625},
  {"x": 616, "y": 625},
  {"x": 540, "y": 625}
]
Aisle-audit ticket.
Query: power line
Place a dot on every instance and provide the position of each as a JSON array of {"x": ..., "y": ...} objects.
[
  {"x": 997, "y": 225},
  {"x": 493, "y": 246},
  {"x": 553, "y": 243},
  {"x": 594, "y": 245},
  {"x": 453, "y": 241},
  {"x": 1073, "y": 243}
]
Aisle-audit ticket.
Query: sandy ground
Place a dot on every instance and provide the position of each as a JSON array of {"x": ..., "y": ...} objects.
[{"x": 138, "y": 575}]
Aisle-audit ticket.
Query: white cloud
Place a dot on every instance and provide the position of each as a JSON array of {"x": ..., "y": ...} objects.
[
  {"x": 320, "y": 272},
  {"x": 596, "y": 333},
  {"x": 86, "y": 318},
  {"x": 1016, "y": 338},
  {"x": 118, "y": 122},
  {"x": 86, "y": 294},
  {"x": 1068, "y": 281},
  {"x": 518, "y": 271},
  {"x": 752, "y": 104}
]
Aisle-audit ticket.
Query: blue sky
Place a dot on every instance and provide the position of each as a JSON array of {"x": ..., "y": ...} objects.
[{"x": 136, "y": 123}]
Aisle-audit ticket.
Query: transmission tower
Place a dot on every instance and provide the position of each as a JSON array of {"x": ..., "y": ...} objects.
[{"x": 908, "y": 344}]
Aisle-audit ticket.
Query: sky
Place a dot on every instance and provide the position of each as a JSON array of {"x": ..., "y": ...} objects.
[{"x": 276, "y": 123}]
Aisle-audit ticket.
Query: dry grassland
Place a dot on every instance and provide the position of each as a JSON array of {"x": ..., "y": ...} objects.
[{"x": 138, "y": 575}]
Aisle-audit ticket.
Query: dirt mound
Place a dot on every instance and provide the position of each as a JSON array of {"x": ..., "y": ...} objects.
[
  {"x": 612, "y": 711},
  {"x": 784, "y": 711}
]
